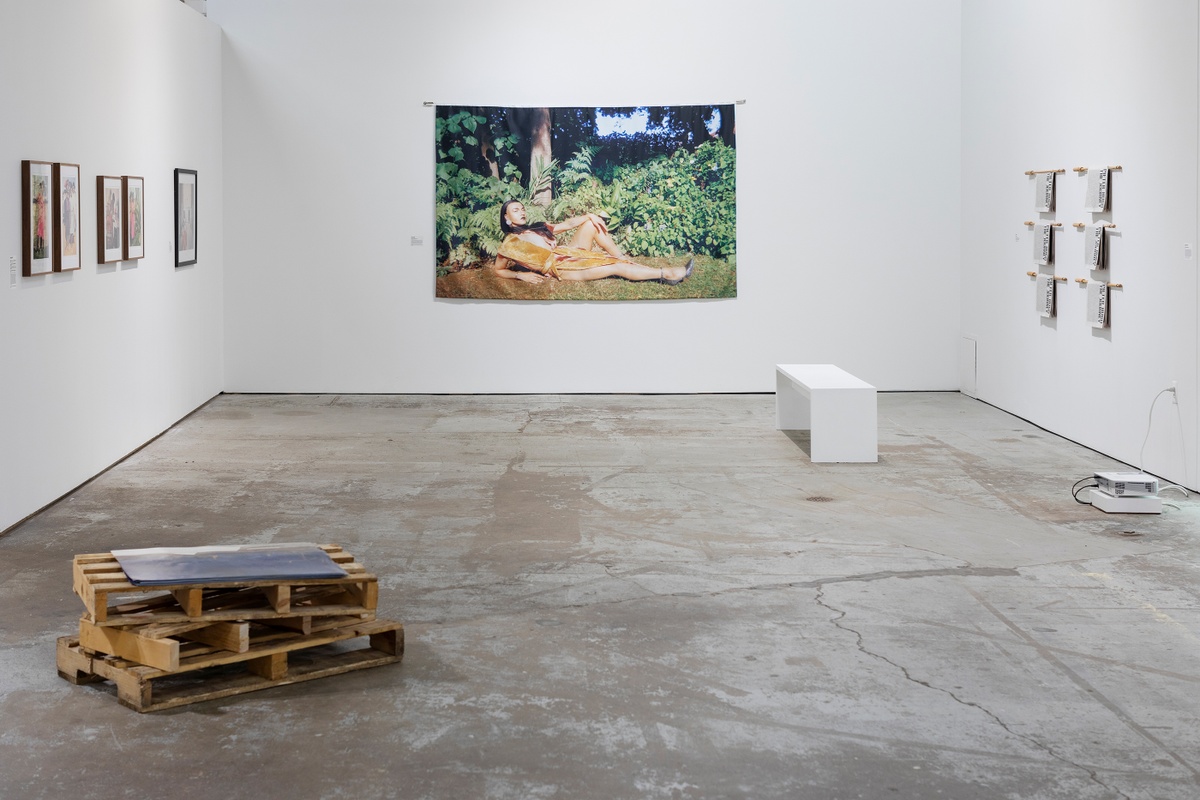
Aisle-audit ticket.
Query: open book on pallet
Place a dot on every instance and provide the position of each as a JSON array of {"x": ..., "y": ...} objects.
[{"x": 178, "y": 643}]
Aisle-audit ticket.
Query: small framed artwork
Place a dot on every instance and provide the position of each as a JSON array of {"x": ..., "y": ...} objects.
[
  {"x": 110, "y": 220},
  {"x": 133, "y": 190},
  {"x": 67, "y": 255},
  {"x": 37, "y": 218},
  {"x": 185, "y": 217}
]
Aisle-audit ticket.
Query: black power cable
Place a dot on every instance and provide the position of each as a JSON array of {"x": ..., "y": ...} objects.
[{"x": 1076, "y": 489}]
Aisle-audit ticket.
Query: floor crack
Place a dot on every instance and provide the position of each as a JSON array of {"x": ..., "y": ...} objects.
[
  {"x": 839, "y": 617},
  {"x": 867, "y": 577}
]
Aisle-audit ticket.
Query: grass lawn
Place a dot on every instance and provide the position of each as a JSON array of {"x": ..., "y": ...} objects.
[{"x": 710, "y": 278}]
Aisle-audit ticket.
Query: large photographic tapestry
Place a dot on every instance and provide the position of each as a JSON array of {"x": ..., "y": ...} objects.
[{"x": 631, "y": 203}]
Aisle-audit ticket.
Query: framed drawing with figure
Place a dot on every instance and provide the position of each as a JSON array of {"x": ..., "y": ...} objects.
[
  {"x": 110, "y": 220},
  {"x": 37, "y": 218},
  {"x": 67, "y": 254},
  {"x": 185, "y": 217},
  {"x": 133, "y": 190}
]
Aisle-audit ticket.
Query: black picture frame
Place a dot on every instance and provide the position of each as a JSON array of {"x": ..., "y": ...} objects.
[
  {"x": 186, "y": 205},
  {"x": 38, "y": 210},
  {"x": 68, "y": 253},
  {"x": 110, "y": 219},
  {"x": 133, "y": 195}
]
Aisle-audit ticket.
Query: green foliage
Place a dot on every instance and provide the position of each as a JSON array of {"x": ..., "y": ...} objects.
[
  {"x": 683, "y": 203},
  {"x": 578, "y": 170},
  {"x": 677, "y": 204},
  {"x": 467, "y": 203},
  {"x": 542, "y": 178}
]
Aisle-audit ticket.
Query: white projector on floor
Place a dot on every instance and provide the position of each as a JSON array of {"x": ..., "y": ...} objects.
[
  {"x": 1126, "y": 493},
  {"x": 1127, "y": 484}
]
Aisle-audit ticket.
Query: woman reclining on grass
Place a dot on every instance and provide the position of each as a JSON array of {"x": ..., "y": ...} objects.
[{"x": 535, "y": 252}]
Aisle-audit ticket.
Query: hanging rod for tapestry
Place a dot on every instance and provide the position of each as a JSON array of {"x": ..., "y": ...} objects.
[
  {"x": 1052, "y": 224},
  {"x": 1109, "y": 285},
  {"x": 431, "y": 104},
  {"x": 1082, "y": 225},
  {"x": 1059, "y": 278},
  {"x": 1085, "y": 169},
  {"x": 1038, "y": 171}
]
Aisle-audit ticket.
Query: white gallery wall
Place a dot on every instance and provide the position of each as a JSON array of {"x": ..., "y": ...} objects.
[
  {"x": 881, "y": 156},
  {"x": 848, "y": 191},
  {"x": 1085, "y": 83},
  {"x": 98, "y": 361}
]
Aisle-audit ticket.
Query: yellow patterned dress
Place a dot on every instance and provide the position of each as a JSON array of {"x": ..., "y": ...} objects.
[{"x": 549, "y": 261}]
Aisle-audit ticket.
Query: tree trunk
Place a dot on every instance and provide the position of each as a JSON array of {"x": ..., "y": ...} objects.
[
  {"x": 728, "y": 128},
  {"x": 487, "y": 149},
  {"x": 698, "y": 125},
  {"x": 541, "y": 152},
  {"x": 535, "y": 147}
]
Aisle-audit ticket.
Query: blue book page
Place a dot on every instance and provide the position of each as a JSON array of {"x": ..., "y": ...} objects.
[{"x": 163, "y": 566}]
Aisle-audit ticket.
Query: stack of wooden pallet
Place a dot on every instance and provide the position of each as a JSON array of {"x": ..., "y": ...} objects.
[{"x": 166, "y": 646}]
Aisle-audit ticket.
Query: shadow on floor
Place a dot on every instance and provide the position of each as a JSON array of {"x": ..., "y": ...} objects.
[{"x": 802, "y": 439}]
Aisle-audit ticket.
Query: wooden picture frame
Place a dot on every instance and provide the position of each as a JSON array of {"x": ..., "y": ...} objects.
[
  {"x": 133, "y": 195},
  {"x": 68, "y": 252},
  {"x": 186, "y": 203},
  {"x": 110, "y": 219},
  {"x": 37, "y": 218}
]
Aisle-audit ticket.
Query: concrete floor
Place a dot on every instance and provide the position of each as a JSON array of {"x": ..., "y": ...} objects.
[{"x": 640, "y": 597}]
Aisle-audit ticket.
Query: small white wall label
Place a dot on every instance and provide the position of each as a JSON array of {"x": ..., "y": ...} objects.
[{"x": 416, "y": 241}]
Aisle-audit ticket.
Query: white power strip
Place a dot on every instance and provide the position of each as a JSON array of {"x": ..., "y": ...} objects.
[{"x": 1125, "y": 504}]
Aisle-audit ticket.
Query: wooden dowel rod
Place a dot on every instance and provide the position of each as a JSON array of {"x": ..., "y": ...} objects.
[
  {"x": 1060, "y": 279},
  {"x": 1082, "y": 225},
  {"x": 1052, "y": 224},
  {"x": 1038, "y": 171},
  {"x": 431, "y": 104},
  {"x": 1031, "y": 274},
  {"x": 1085, "y": 169},
  {"x": 1114, "y": 286},
  {"x": 1081, "y": 280}
]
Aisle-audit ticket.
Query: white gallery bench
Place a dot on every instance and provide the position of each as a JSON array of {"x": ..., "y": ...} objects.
[{"x": 839, "y": 409}]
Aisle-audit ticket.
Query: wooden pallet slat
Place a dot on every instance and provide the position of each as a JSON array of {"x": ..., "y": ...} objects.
[
  {"x": 272, "y": 667},
  {"x": 231, "y": 636},
  {"x": 110, "y": 599},
  {"x": 303, "y": 625},
  {"x": 280, "y": 597},
  {"x": 161, "y": 630},
  {"x": 233, "y": 615},
  {"x": 282, "y": 642},
  {"x": 278, "y": 662},
  {"x": 74, "y": 665},
  {"x": 190, "y": 600},
  {"x": 162, "y": 654}
]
